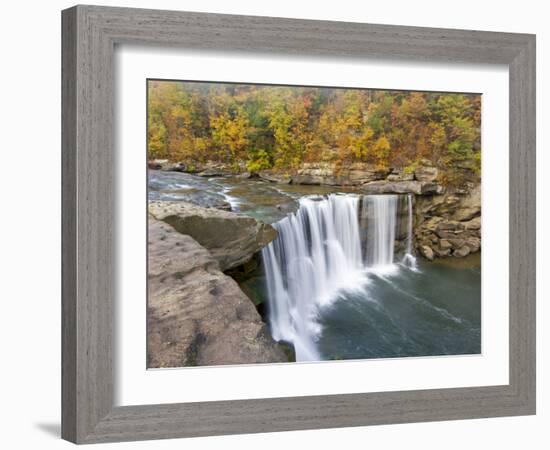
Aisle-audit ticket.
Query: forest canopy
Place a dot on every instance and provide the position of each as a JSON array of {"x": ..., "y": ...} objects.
[{"x": 279, "y": 128}]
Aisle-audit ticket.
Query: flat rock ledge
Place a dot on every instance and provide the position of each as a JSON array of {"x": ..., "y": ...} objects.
[
  {"x": 402, "y": 187},
  {"x": 198, "y": 316},
  {"x": 230, "y": 238},
  {"x": 420, "y": 180}
]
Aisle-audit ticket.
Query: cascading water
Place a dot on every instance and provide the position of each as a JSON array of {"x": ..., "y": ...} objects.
[
  {"x": 321, "y": 251},
  {"x": 408, "y": 258},
  {"x": 317, "y": 252},
  {"x": 381, "y": 220}
]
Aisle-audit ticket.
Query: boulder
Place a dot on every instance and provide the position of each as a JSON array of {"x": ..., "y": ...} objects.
[
  {"x": 457, "y": 243},
  {"x": 401, "y": 187},
  {"x": 358, "y": 177},
  {"x": 456, "y": 205},
  {"x": 437, "y": 205},
  {"x": 400, "y": 175},
  {"x": 445, "y": 244},
  {"x": 164, "y": 164},
  {"x": 469, "y": 205},
  {"x": 196, "y": 315},
  {"x": 451, "y": 225},
  {"x": 441, "y": 253},
  {"x": 247, "y": 175},
  {"x": 431, "y": 223},
  {"x": 474, "y": 244},
  {"x": 230, "y": 238},
  {"x": 426, "y": 173},
  {"x": 315, "y": 173},
  {"x": 474, "y": 224},
  {"x": 171, "y": 166},
  {"x": 157, "y": 164},
  {"x": 462, "y": 251},
  {"x": 275, "y": 177},
  {"x": 216, "y": 169},
  {"x": 324, "y": 173},
  {"x": 427, "y": 252},
  {"x": 360, "y": 173},
  {"x": 213, "y": 172},
  {"x": 396, "y": 187}
]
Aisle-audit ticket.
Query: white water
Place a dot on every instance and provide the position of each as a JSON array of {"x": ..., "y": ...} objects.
[
  {"x": 409, "y": 259},
  {"x": 381, "y": 219},
  {"x": 318, "y": 254}
]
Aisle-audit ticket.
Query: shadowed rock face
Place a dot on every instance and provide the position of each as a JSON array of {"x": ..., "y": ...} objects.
[
  {"x": 450, "y": 224},
  {"x": 402, "y": 187},
  {"x": 230, "y": 238},
  {"x": 196, "y": 314}
]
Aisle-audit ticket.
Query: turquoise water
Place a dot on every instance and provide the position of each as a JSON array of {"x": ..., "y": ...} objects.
[{"x": 434, "y": 310}]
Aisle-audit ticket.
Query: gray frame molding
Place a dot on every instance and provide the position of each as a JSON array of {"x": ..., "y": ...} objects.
[{"x": 89, "y": 36}]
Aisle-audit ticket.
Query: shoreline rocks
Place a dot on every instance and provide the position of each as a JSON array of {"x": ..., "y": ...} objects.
[
  {"x": 433, "y": 201},
  {"x": 449, "y": 224},
  {"x": 275, "y": 177},
  {"x": 421, "y": 180},
  {"x": 402, "y": 187},
  {"x": 232, "y": 239},
  {"x": 356, "y": 174},
  {"x": 196, "y": 314}
]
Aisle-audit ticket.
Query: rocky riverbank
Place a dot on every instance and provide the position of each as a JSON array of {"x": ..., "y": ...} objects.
[
  {"x": 231, "y": 239},
  {"x": 197, "y": 315},
  {"x": 449, "y": 224}
]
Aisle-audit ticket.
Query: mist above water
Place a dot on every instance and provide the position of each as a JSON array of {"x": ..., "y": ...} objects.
[{"x": 320, "y": 252}]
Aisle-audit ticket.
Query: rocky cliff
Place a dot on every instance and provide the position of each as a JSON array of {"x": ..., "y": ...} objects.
[
  {"x": 449, "y": 224},
  {"x": 197, "y": 315},
  {"x": 230, "y": 238}
]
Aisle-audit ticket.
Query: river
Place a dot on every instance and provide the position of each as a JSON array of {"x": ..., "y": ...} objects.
[{"x": 334, "y": 285}]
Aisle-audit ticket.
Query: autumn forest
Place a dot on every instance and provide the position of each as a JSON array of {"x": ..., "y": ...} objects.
[{"x": 278, "y": 128}]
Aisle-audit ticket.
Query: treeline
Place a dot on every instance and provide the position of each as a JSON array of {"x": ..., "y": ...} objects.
[{"x": 279, "y": 127}]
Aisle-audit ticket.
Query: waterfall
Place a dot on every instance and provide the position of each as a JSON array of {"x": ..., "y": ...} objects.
[
  {"x": 408, "y": 258},
  {"x": 325, "y": 248},
  {"x": 381, "y": 220},
  {"x": 317, "y": 252}
]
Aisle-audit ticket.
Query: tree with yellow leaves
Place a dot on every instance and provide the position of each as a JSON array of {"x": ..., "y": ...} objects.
[{"x": 255, "y": 127}]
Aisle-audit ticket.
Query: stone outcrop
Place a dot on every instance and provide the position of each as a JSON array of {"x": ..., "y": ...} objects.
[
  {"x": 402, "y": 187},
  {"x": 426, "y": 172},
  {"x": 273, "y": 177},
  {"x": 202, "y": 169},
  {"x": 164, "y": 164},
  {"x": 421, "y": 180},
  {"x": 449, "y": 224},
  {"x": 426, "y": 252},
  {"x": 355, "y": 174},
  {"x": 400, "y": 175},
  {"x": 196, "y": 314},
  {"x": 230, "y": 238}
]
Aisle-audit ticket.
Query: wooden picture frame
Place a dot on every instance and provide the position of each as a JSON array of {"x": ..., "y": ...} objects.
[{"x": 90, "y": 34}]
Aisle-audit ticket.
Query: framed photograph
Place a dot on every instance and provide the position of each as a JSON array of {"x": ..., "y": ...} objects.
[{"x": 278, "y": 224}]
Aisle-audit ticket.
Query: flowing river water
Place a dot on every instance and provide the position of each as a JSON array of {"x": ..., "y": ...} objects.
[{"x": 335, "y": 283}]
